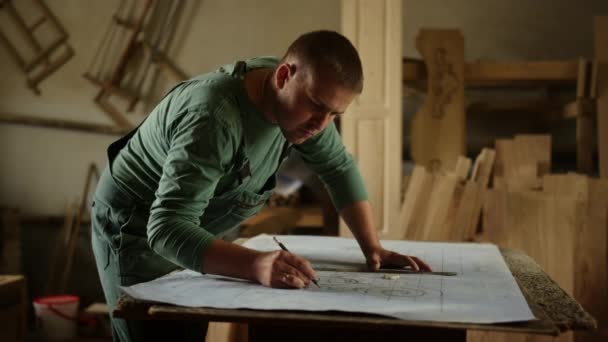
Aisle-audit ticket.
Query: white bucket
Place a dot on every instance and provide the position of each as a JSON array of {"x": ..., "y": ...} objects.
[{"x": 58, "y": 316}]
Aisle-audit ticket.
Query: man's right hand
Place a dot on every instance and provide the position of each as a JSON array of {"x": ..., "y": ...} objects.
[
  {"x": 282, "y": 269},
  {"x": 279, "y": 268}
]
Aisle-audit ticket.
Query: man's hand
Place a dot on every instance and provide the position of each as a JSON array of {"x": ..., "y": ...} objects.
[
  {"x": 380, "y": 257},
  {"x": 282, "y": 269}
]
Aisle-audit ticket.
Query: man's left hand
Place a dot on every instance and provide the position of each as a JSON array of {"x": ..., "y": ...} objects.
[{"x": 384, "y": 258}]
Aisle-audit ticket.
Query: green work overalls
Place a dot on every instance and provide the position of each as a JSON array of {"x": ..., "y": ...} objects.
[{"x": 123, "y": 255}]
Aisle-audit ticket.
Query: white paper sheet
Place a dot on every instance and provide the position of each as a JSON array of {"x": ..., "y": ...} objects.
[{"x": 483, "y": 291}]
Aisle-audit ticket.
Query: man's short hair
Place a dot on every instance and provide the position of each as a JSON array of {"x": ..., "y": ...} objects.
[{"x": 329, "y": 50}]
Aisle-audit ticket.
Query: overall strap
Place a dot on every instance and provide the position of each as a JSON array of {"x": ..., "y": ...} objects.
[{"x": 118, "y": 145}]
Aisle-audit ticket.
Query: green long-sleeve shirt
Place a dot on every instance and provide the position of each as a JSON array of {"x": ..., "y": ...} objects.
[{"x": 181, "y": 160}]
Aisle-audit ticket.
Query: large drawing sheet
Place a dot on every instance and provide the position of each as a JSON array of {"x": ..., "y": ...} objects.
[{"x": 483, "y": 291}]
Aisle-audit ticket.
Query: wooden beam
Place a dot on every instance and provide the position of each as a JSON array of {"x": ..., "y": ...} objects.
[
  {"x": 499, "y": 106},
  {"x": 601, "y": 55},
  {"x": 582, "y": 109},
  {"x": 102, "y": 100},
  {"x": 486, "y": 73},
  {"x": 29, "y": 120},
  {"x": 579, "y": 108}
]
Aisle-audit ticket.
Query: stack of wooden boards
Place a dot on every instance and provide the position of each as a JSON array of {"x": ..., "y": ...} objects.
[
  {"x": 446, "y": 206},
  {"x": 563, "y": 227},
  {"x": 560, "y": 220}
]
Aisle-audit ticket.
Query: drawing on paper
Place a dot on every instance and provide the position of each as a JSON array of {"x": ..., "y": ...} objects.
[{"x": 483, "y": 291}]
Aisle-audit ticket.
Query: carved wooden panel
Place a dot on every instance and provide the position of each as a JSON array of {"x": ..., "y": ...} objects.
[{"x": 438, "y": 129}]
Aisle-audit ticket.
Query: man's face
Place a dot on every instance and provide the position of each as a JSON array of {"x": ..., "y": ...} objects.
[{"x": 307, "y": 102}]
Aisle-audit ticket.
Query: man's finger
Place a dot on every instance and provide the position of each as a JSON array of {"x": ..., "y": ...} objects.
[
  {"x": 412, "y": 263},
  {"x": 373, "y": 265},
  {"x": 301, "y": 264},
  {"x": 292, "y": 281},
  {"x": 423, "y": 265},
  {"x": 288, "y": 269}
]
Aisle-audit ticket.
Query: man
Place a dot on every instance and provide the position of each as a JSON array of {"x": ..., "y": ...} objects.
[{"x": 205, "y": 160}]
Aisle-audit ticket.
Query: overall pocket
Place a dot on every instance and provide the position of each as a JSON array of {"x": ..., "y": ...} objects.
[
  {"x": 249, "y": 203},
  {"x": 139, "y": 262},
  {"x": 103, "y": 226}
]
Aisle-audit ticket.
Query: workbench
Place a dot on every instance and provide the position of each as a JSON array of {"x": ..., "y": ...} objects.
[{"x": 557, "y": 312}]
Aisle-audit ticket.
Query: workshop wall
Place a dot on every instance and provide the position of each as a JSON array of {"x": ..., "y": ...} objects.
[{"x": 44, "y": 168}]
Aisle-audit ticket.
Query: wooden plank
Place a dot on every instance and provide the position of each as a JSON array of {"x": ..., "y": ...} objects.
[
  {"x": 484, "y": 164},
  {"x": 461, "y": 170},
  {"x": 74, "y": 232},
  {"x": 285, "y": 332},
  {"x": 437, "y": 226},
  {"x": 515, "y": 172},
  {"x": 227, "y": 332},
  {"x": 510, "y": 106},
  {"x": 10, "y": 241},
  {"x": 102, "y": 100},
  {"x": 56, "y": 269},
  {"x": 415, "y": 229},
  {"x": 500, "y": 73},
  {"x": 543, "y": 71},
  {"x": 593, "y": 81},
  {"x": 582, "y": 79},
  {"x": 412, "y": 200},
  {"x": 493, "y": 212},
  {"x": 469, "y": 210},
  {"x": 520, "y": 161},
  {"x": 465, "y": 208},
  {"x": 438, "y": 128},
  {"x": 307, "y": 216},
  {"x": 496, "y": 230},
  {"x": 541, "y": 225},
  {"x": 504, "y": 156},
  {"x": 591, "y": 282},
  {"x": 314, "y": 319},
  {"x": 30, "y": 120},
  {"x": 601, "y": 55},
  {"x": 97, "y": 309},
  {"x": 278, "y": 222},
  {"x": 534, "y": 149}
]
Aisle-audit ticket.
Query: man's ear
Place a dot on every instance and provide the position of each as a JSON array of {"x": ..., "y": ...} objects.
[{"x": 284, "y": 73}]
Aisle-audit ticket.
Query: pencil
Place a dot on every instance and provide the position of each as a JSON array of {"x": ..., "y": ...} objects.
[{"x": 287, "y": 250}]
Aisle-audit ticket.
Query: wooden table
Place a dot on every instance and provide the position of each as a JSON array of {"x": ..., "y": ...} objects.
[{"x": 556, "y": 311}]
